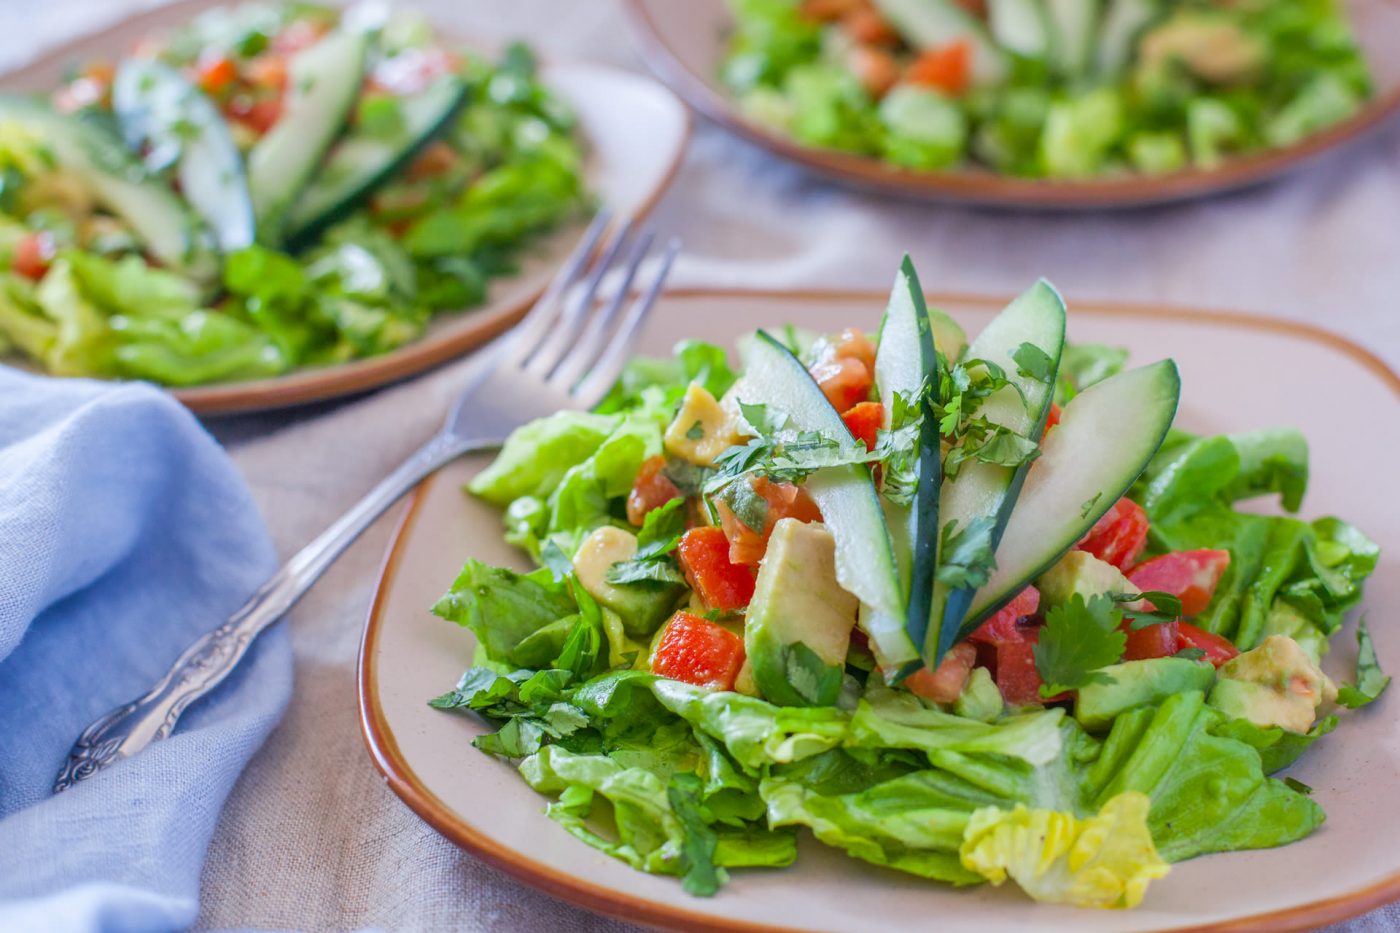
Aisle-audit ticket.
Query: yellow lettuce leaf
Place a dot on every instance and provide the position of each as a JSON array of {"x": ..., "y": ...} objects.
[{"x": 1106, "y": 860}]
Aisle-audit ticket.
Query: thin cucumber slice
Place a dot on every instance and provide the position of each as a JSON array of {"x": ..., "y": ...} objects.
[
  {"x": 361, "y": 163},
  {"x": 1020, "y": 26},
  {"x": 1106, "y": 437},
  {"x": 984, "y": 493},
  {"x": 160, "y": 111},
  {"x": 930, "y": 24},
  {"x": 907, "y": 365},
  {"x": 97, "y": 157},
  {"x": 850, "y": 506},
  {"x": 323, "y": 83},
  {"x": 1123, "y": 22},
  {"x": 1074, "y": 26}
]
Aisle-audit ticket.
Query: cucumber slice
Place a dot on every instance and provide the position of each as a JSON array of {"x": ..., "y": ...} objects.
[
  {"x": 323, "y": 83},
  {"x": 850, "y": 506},
  {"x": 359, "y": 164},
  {"x": 906, "y": 364},
  {"x": 1123, "y": 22},
  {"x": 163, "y": 113},
  {"x": 987, "y": 492},
  {"x": 1105, "y": 438},
  {"x": 98, "y": 158},
  {"x": 1074, "y": 25},
  {"x": 1020, "y": 26},
  {"x": 929, "y": 24}
]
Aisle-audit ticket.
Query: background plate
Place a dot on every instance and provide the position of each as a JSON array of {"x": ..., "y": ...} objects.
[
  {"x": 684, "y": 43},
  {"x": 635, "y": 131},
  {"x": 1237, "y": 372}
]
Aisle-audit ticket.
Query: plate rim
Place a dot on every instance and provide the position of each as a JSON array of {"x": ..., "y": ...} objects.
[
  {"x": 404, "y": 782},
  {"x": 989, "y": 188},
  {"x": 319, "y": 384}
]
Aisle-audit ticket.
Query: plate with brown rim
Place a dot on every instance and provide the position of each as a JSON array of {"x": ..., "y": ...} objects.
[
  {"x": 634, "y": 130},
  {"x": 685, "y": 43},
  {"x": 1238, "y": 372}
]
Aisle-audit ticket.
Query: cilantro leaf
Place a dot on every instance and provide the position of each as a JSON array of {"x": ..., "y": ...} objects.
[
  {"x": 1078, "y": 640},
  {"x": 695, "y": 431},
  {"x": 966, "y": 557},
  {"x": 1087, "y": 505},
  {"x": 1190, "y": 654},
  {"x": 1033, "y": 362},
  {"x": 663, "y": 571},
  {"x": 1161, "y": 607},
  {"x": 1371, "y": 681},
  {"x": 1297, "y": 785},
  {"x": 812, "y": 678},
  {"x": 699, "y": 874},
  {"x": 660, "y": 534}
]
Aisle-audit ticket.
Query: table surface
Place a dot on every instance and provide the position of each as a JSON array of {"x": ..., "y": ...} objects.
[{"x": 311, "y": 837}]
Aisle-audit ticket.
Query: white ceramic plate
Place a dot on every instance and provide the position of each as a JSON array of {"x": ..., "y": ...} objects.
[
  {"x": 635, "y": 132},
  {"x": 1238, "y": 373}
]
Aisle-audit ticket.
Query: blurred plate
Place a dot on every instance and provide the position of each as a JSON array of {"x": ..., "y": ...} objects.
[
  {"x": 684, "y": 43},
  {"x": 635, "y": 132},
  {"x": 1238, "y": 373}
]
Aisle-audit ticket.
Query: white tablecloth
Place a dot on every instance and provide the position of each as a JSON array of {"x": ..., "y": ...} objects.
[{"x": 312, "y": 838}]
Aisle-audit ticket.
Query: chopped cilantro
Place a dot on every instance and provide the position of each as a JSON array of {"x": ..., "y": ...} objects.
[
  {"x": 699, "y": 874},
  {"x": 661, "y": 532},
  {"x": 1034, "y": 363},
  {"x": 1371, "y": 681},
  {"x": 1162, "y": 607},
  {"x": 695, "y": 431},
  {"x": 1190, "y": 654},
  {"x": 1295, "y": 784},
  {"x": 1087, "y": 505},
  {"x": 966, "y": 555},
  {"x": 1078, "y": 640}
]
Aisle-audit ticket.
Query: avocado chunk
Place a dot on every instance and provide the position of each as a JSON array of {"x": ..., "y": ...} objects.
[
  {"x": 1082, "y": 573},
  {"x": 641, "y": 606},
  {"x": 1138, "y": 683},
  {"x": 799, "y": 623},
  {"x": 1275, "y": 684}
]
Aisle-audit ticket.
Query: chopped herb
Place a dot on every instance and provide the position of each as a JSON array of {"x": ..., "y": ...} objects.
[
  {"x": 1371, "y": 681},
  {"x": 1295, "y": 784},
  {"x": 1087, "y": 505},
  {"x": 696, "y": 431},
  {"x": 699, "y": 874},
  {"x": 1078, "y": 640},
  {"x": 1034, "y": 363},
  {"x": 1190, "y": 654},
  {"x": 1162, "y": 607},
  {"x": 966, "y": 555},
  {"x": 661, "y": 532}
]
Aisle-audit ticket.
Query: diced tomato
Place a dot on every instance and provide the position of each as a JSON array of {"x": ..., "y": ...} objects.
[
  {"x": 1190, "y": 576},
  {"x": 216, "y": 73},
  {"x": 875, "y": 68},
  {"x": 699, "y": 652},
  {"x": 1119, "y": 536},
  {"x": 260, "y": 115},
  {"x": 1006, "y": 625},
  {"x": 945, "y": 684},
  {"x": 747, "y": 546},
  {"x": 435, "y": 159},
  {"x": 722, "y": 584},
  {"x": 1053, "y": 418},
  {"x": 947, "y": 67},
  {"x": 845, "y": 381},
  {"x": 868, "y": 27},
  {"x": 864, "y": 421},
  {"x": 825, "y": 10},
  {"x": 1158, "y": 640},
  {"x": 1218, "y": 648},
  {"x": 32, "y": 256},
  {"x": 1016, "y": 676},
  {"x": 268, "y": 70},
  {"x": 651, "y": 490},
  {"x": 853, "y": 343}
]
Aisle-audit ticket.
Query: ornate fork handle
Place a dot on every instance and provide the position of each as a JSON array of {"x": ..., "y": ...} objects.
[{"x": 204, "y": 664}]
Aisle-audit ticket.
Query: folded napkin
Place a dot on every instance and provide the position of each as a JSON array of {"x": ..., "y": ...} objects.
[{"x": 125, "y": 533}]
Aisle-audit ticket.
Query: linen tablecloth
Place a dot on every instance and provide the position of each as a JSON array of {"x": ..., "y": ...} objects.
[{"x": 311, "y": 837}]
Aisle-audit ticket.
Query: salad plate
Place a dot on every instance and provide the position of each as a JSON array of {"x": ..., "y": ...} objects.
[
  {"x": 632, "y": 132},
  {"x": 1237, "y": 373},
  {"x": 687, "y": 45}
]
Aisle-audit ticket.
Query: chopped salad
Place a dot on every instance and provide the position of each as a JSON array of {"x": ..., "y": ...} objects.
[
  {"x": 271, "y": 187},
  {"x": 1060, "y": 89},
  {"x": 972, "y": 611}
]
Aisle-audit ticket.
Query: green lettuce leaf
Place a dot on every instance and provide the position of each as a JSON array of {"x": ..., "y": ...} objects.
[{"x": 504, "y": 608}]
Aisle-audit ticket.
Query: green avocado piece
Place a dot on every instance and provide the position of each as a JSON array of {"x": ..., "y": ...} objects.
[
  {"x": 1082, "y": 573},
  {"x": 642, "y": 607},
  {"x": 1137, "y": 683},
  {"x": 798, "y": 627},
  {"x": 980, "y": 699}
]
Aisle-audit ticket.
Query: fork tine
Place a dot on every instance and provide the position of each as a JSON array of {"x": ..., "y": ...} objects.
[
  {"x": 565, "y": 329},
  {"x": 536, "y": 325},
  {"x": 595, "y": 334},
  {"x": 605, "y": 372}
]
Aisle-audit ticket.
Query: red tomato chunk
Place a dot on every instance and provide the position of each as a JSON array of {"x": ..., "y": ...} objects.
[
  {"x": 864, "y": 422},
  {"x": 697, "y": 651},
  {"x": 651, "y": 490},
  {"x": 747, "y": 546},
  {"x": 1190, "y": 576},
  {"x": 1158, "y": 640},
  {"x": 1006, "y": 625},
  {"x": 1218, "y": 649},
  {"x": 1119, "y": 537},
  {"x": 723, "y": 585},
  {"x": 945, "y": 684}
]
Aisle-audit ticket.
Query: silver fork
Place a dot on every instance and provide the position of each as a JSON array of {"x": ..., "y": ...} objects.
[{"x": 566, "y": 353}]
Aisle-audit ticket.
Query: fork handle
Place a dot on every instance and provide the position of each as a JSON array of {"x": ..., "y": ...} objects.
[{"x": 203, "y": 666}]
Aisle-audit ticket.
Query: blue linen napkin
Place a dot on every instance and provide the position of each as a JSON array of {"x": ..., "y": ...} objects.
[{"x": 125, "y": 533}]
